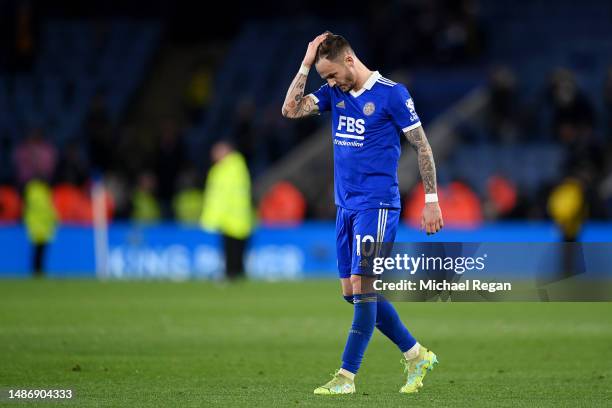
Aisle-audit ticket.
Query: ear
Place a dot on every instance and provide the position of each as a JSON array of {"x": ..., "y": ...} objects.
[{"x": 348, "y": 59}]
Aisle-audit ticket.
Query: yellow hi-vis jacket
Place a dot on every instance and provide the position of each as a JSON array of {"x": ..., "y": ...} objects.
[
  {"x": 227, "y": 198},
  {"x": 39, "y": 215}
]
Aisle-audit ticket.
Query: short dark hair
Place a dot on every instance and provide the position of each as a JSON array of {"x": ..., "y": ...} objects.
[{"x": 332, "y": 47}]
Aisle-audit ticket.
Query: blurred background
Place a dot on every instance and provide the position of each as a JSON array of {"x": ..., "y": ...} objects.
[{"x": 109, "y": 112}]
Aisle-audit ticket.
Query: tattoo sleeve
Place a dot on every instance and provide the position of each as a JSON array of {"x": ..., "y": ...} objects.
[
  {"x": 297, "y": 105},
  {"x": 427, "y": 167}
]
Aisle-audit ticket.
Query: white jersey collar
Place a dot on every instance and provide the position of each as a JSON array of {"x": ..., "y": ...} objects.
[{"x": 369, "y": 83}]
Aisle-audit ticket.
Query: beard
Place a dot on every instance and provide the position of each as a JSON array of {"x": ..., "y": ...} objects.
[{"x": 349, "y": 85}]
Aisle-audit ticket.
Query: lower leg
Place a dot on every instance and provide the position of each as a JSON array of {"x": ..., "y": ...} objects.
[
  {"x": 390, "y": 324},
  {"x": 37, "y": 263},
  {"x": 234, "y": 257},
  {"x": 364, "y": 321},
  {"x": 387, "y": 321}
]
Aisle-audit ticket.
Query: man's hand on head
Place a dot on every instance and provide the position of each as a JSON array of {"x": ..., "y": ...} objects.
[
  {"x": 296, "y": 105},
  {"x": 311, "y": 51}
]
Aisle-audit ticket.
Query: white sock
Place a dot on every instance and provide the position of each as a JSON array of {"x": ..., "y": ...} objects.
[
  {"x": 413, "y": 352},
  {"x": 347, "y": 374}
]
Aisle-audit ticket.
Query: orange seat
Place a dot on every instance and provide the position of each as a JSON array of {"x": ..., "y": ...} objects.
[
  {"x": 10, "y": 204},
  {"x": 74, "y": 205},
  {"x": 283, "y": 203},
  {"x": 502, "y": 194},
  {"x": 459, "y": 204}
]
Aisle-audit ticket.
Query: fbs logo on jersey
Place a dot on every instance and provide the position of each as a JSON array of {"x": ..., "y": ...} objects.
[
  {"x": 351, "y": 125},
  {"x": 340, "y": 105}
]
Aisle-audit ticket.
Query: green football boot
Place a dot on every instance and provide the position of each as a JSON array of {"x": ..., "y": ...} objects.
[
  {"x": 339, "y": 384},
  {"x": 416, "y": 369}
]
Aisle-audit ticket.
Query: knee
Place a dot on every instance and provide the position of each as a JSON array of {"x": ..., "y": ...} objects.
[
  {"x": 361, "y": 284},
  {"x": 356, "y": 283}
]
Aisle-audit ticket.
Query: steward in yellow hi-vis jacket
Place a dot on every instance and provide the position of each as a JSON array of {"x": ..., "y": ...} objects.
[
  {"x": 227, "y": 206},
  {"x": 40, "y": 220}
]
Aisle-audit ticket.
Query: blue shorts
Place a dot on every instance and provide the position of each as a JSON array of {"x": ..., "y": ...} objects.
[{"x": 357, "y": 227}]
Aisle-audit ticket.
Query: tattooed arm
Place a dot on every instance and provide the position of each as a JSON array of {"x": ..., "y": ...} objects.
[
  {"x": 427, "y": 167},
  {"x": 297, "y": 105},
  {"x": 432, "y": 215}
]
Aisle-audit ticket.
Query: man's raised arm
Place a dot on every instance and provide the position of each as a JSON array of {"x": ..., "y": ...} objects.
[{"x": 297, "y": 105}]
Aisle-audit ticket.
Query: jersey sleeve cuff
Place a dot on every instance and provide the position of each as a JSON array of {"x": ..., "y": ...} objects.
[
  {"x": 314, "y": 98},
  {"x": 413, "y": 126}
]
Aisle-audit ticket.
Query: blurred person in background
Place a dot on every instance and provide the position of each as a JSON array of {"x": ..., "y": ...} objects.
[
  {"x": 187, "y": 203},
  {"x": 40, "y": 220},
  {"x": 568, "y": 208},
  {"x": 574, "y": 125},
  {"x": 227, "y": 206},
  {"x": 145, "y": 208},
  {"x": 34, "y": 157}
]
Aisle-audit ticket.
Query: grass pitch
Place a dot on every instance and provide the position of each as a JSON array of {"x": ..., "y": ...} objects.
[{"x": 194, "y": 344}]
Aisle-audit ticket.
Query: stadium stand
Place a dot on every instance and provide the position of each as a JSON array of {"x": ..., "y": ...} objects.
[
  {"x": 77, "y": 60},
  {"x": 526, "y": 112}
]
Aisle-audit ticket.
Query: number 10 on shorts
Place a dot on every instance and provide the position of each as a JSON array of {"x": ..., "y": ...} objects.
[{"x": 365, "y": 239}]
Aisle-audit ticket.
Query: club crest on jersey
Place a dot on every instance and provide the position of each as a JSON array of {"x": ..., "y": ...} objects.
[
  {"x": 369, "y": 108},
  {"x": 410, "y": 105}
]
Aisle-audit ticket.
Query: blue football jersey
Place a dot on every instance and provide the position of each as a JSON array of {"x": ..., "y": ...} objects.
[{"x": 366, "y": 130}]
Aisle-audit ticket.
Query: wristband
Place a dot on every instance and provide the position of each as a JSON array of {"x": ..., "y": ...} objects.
[
  {"x": 431, "y": 198},
  {"x": 304, "y": 70}
]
